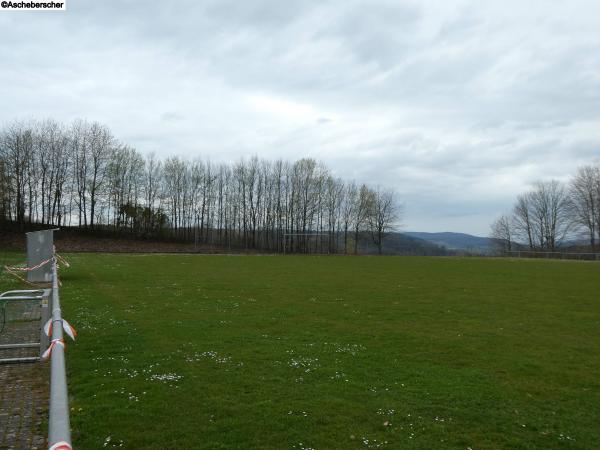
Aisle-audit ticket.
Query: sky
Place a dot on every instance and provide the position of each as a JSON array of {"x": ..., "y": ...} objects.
[{"x": 456, "y": 105}]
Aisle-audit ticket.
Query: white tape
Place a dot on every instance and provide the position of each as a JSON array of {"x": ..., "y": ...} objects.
[
  {"x": 62, "y": 445},
  {"x": 67, "y": 328},
  {"x": 54, "y": 342}
]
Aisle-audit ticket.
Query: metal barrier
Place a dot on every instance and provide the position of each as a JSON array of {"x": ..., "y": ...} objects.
[
  {"x": 52, "y": 327},
  {"x": 18, "y": 297},
  {"x": 59, "y": 427}
]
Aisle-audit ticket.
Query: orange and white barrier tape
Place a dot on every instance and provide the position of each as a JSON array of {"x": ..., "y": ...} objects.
[
  {"x": 66, "y": 327},
  {"x": 17, "y": 275},
  {"x": 15, "y": 270},
  {"x": 62, "y": 260},
  {"x": 53, "y": 343},
  {"x": 29, "y": 269},
  {"x": 62, "y": 445}
]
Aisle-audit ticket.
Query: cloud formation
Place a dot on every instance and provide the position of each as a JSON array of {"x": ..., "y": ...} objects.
[{"x": 457, "y": 105}]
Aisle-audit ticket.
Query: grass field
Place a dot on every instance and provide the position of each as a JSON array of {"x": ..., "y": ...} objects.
[{"x": 187, "y": 352}]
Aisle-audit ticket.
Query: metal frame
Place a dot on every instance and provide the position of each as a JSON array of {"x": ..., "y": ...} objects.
[{"x": 24, "y": 295}]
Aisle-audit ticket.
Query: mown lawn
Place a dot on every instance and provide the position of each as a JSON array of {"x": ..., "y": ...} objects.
[{"x": 248, "y": 352}]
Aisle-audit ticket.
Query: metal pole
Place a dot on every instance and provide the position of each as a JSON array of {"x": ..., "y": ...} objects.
[
  {"x": 59, "y": 428},
  {"x": 26, "y": 291},
  {"x": 26, "y": 359},
  {"x": 26, "y": 345}
]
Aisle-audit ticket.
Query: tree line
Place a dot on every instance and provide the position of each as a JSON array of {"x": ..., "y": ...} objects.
[
  {"x": 551, "y": 212},
  {"x": 80, "y": 175}
]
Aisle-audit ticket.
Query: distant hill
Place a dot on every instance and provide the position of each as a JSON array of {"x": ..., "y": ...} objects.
[
  {"x": 455, "y": 241},
  {"x": 574, "y": 242},
  {"x": 401, "y": 244}
]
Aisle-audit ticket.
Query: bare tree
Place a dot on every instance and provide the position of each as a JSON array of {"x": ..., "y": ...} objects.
[
  {"x": 82, "y": 175},
  {"x": 383, "y": 215},
  {"x": 361, "y": 212},
  {"x": 584, "y": 195},
  {"x": 175, "y": 185},
  {"x": 101, "y": 143},
  {"x": 348, "y": 213},
  {"x": 151, "y": 181},
  {"x": 16, "y": 147},
  {"x": 501, "y": 232},
  {"x": 78, "y": 140},
  {"x": 4, "y": 190},
  {"x": 550, "y": 213},
  {"x": 597, "y": 195},
  {"x": 335, "y": 199},
  {"x": 522, "y": 219}
]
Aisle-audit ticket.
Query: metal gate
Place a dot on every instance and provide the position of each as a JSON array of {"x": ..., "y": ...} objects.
[{"x": 23, "y": 314}]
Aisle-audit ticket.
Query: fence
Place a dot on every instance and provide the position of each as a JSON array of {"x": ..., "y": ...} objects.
[
  {"x": 21, "y": 313},
  {"x": 42, "y": 308},
  {"x": 553, "y": 255},
  {"x": 59, "y": 427}
]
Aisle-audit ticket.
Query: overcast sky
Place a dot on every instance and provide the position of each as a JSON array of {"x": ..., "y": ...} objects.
[{"x": 456, "y": 105}]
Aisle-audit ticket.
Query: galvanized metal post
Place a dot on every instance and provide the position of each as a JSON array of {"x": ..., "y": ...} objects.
[
  {"x": 59, "y": 427},
  {"x": 40, "y": 248}
]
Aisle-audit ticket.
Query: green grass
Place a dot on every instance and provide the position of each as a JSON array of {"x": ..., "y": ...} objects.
[{"x": 225, "y": 352}]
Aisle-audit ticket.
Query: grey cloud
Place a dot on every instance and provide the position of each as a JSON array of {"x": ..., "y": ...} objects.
[{"x": 458, "y": 105}]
